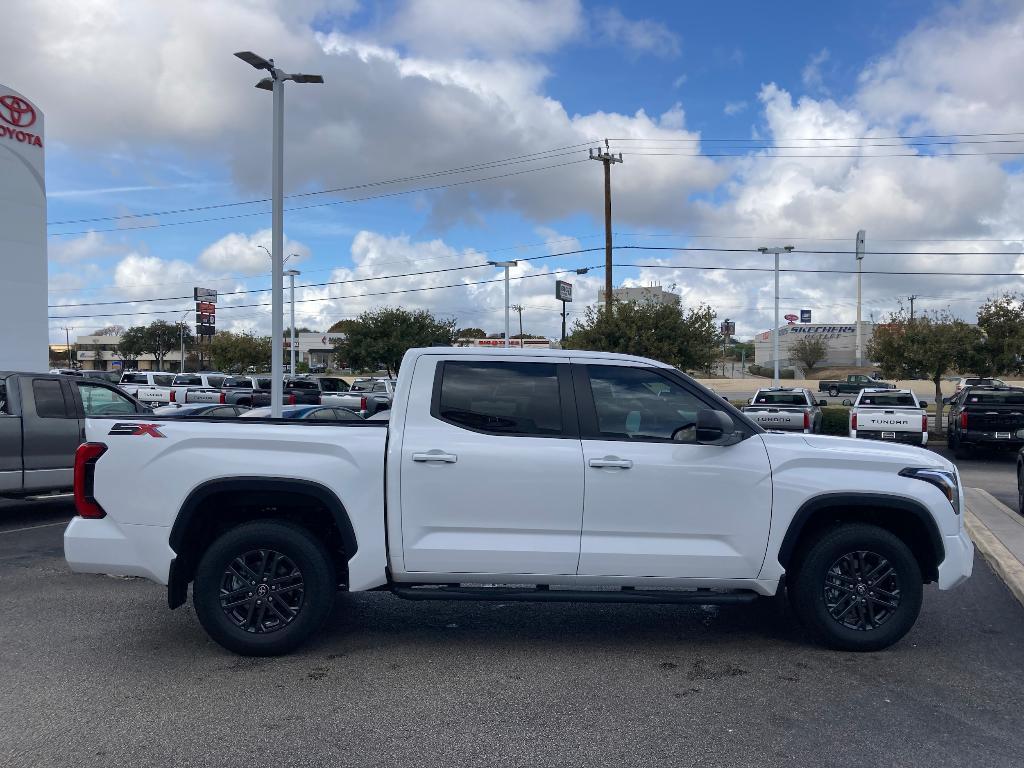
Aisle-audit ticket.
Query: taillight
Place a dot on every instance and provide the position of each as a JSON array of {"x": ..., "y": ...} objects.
[
  {"x": 291, "y": 399},
  {"x": 362, "y": 403},
  {"x": 174, "y": 397},
  {"x": 222, "y": 400},
  {"x": 924, "y": 422},
  {"x": 963, "y": 420},
  {"x": 807, "y": 420},
  {"x": 853, "y": 421},
  {"x": 85, "y": 470}
]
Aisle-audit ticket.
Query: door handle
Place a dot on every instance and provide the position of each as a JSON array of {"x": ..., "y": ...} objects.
[
  {"x": 435, "y": 455},
  {"x": 611, "y": 461}
]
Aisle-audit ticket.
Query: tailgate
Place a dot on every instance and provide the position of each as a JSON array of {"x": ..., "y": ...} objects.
[
  {"x": 204, "y": 396},
  {"x": 889, "y": 420},
  {"x": 995, "y": 419},
  {"x": 776, "y": 418},
  {"x": 153, "y": 395}
]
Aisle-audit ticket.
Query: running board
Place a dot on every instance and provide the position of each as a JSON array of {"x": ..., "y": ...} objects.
[{"x": 546, "y": 595}]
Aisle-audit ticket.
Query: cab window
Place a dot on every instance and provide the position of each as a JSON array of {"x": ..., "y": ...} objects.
[
  {"x": 100, "y": 401},
  {"x": 641, "y": 404}
]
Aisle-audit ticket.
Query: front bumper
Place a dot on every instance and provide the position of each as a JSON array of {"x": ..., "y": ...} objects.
[
  {"x": 103, "y": 546},
  {"x": 959, "y": 562}
]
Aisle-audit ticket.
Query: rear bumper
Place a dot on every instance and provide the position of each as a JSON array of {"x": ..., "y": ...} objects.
[
  {"x": 103, "y": 546},
  {"x": 989, "y": 440},
  {"x": 959, "y": 562},
  {"x": 905, "y": 438}
]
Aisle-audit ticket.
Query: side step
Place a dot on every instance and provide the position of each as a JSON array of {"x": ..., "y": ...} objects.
[{"x": 544, "y": 594}]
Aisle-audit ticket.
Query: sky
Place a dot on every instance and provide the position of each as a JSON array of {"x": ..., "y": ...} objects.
[{"x": 453, "y": 132}]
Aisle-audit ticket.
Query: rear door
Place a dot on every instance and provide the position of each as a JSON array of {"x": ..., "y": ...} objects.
[
  {"x": 10, "y": 437},
  {"x": 492, "y": 473},
  {"x": 53, "y": 432}
]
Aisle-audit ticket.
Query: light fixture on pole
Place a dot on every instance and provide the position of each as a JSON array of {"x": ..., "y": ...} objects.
[
  {"x": 506, "y": 265},
  {"x": 275, "y": 84},
  {"x": 775, "y": 328},
  {"x": 291, "y": 273}
]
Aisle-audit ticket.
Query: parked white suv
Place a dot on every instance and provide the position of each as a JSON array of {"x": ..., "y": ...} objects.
[{"x": 558, "y": 475}]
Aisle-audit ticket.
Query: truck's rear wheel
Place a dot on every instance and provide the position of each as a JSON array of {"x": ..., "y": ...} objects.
[
  {"x": 263, "y": 587},
  {"x": 833, "y": 391},
  {"x": 857, "y": 588}
]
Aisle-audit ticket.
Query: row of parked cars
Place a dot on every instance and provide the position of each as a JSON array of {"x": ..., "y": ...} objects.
[{"x": 42, "y": 415}]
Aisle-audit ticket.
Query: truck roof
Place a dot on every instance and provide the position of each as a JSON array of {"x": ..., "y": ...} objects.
[{"x": 528, "y": 353}]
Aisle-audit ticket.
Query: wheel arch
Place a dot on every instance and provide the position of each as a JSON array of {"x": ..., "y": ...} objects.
[
  {"x": 241, "y": 499},
  {"x": 906, "y": 518}
]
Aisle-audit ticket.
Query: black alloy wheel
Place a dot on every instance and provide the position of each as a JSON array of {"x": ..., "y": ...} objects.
[
  {"x": 263, "y": 587},
  {"x": 862, "y": 590},
  {"x": 262, "y": 591},
  {"x": 833, "y": 391}
]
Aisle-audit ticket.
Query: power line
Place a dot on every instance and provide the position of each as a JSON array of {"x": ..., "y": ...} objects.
[{"x": 836, "y": 138}]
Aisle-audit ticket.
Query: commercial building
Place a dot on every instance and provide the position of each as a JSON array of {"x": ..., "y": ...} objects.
[
  {"x": 314, "y": 349},
  {"x": 22, "y": 234},
  {"x": 642, "y": 294},
  {"x": 99, "y": 353},
  {"x": 840, "y": 343}
]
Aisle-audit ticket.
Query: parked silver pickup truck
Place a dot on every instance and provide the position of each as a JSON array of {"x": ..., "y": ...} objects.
[
  {"x": 791, "y": 409},
  {"x": 42, "y": 423}
]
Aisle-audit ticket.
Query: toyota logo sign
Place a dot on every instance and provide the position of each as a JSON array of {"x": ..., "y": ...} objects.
[{"x": 16, "y": 111}]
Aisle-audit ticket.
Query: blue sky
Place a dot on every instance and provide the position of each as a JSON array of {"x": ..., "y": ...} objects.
[{"x": 424, "y": 86}]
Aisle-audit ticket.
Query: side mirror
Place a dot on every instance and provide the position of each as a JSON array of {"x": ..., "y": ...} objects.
[
  {"x": 923, "y": 403},
  {"x": 713, "y": 426},
  {"x": 823, "y": 403},
  {"x": 726, "y": 398},
  {"x": 847, "y": 402}
]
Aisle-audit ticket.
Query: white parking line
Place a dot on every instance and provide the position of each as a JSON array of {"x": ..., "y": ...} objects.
[{"x": 33, "y": 527}]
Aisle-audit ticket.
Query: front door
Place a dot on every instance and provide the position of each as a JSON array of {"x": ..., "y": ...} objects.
[
  {"x": 492, "y": 476},
  {"x": 657, "y": 503}
]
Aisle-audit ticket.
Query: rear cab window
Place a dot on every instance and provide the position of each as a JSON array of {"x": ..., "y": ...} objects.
[
  {"x": 889, "y": 400},
  {"x": 781, "y": 398},
  {"x": 1009, "y": 397},
  {"x": 187, "y": 381}
]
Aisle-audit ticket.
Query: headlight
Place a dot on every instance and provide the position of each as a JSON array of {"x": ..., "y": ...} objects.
[{"x": 941, "y": 479}]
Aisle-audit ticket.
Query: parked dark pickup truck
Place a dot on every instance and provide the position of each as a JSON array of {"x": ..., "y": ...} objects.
[
  {"x": 854, "y": 383},
  {"x": 42, "y": 423},
  {"x": 254, "y": 391},
  {"x": 987, "y": 417}
]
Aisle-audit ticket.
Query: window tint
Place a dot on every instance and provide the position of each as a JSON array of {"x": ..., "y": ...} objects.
[
  {"x": 640, "y": 404},
  {"x": 343, "y": 414},
  {"x": 49, "y": 399},
  {"x": 781, "y": 398},
  {"x": 187, "y": 381},
  {"x": 361, "y": 386},
  {"x": 163, "y": 381},
  {"x": 100, "y": 401},
  {"x": 889, "y": 400},
  {"x": 501, "y": 397},
  {"x": 133, "y": 378},
  {"x": 1011, "y": 397},
  {"x": 4, "y": 410},
  {"x": 215, "y": 381},
  {"x": 380, "y": 386},
  {"x": 231, "y": 383},
  {"x": 301, "y": 384},
  {"x": 333, "y": 385},
  {"x": 263, "y": 383}
]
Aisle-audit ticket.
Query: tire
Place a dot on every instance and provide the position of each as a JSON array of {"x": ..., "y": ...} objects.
[
  {"x": 829, "y": 582},
  {"x": 960, "y": 451},
  {"x": 1020, "y": 492},
  {"x": 300, "y": 578},
  {"x": 833, "y": 391}
]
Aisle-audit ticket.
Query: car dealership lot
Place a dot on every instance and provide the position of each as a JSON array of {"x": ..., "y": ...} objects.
[{"x": 96, "y": 671}]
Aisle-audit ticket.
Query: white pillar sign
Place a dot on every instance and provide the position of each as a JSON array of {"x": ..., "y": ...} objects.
[{"x": 24, "y": 338}]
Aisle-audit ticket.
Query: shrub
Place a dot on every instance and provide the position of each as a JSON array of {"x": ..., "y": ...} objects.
[
  {"x": 835, "y": 420},
  {"x": 760, "y": 370}
]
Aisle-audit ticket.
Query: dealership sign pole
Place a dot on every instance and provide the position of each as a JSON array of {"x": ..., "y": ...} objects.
[
  {"x": 775, "y": 327},
  {"x": 563, "y": 292}
]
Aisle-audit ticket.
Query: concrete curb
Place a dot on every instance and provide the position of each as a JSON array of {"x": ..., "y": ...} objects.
[{"x": 1003, "y": 562}]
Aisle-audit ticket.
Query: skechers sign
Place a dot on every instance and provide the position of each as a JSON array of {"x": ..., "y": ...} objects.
[{"x": 826, "y": 332}]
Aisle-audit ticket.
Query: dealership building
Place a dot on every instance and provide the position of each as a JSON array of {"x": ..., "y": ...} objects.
[{"x": 840, "y": 343}]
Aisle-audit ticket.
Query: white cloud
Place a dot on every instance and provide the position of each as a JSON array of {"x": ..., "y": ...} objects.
[
  {"x": 245, "y": 254},
  {"x": 734, "y": 107},
  {"x": 85, "y": 248},
  {"x": 679, "y": 81},
  {"x": 642, "y": 36},
  {"x": 811, "y": 75}
]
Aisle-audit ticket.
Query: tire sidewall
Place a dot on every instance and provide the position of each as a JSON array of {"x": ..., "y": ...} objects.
[
  {"x": 808, "y": 587},
  {"x": 309, "y": 557}
]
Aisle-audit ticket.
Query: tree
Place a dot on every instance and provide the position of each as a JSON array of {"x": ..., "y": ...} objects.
[
  {"x": 470, "y": 333},
  {"x": 160, "y": 337},
  {"x": 926, "y": 347},
  {"x": 809, "y": 350},
  {"x": 683, "y": 338},
  {"x": 238, "y": 351},
  {"x": 380, "y": 337},
  {"x": 342, "y": 326},
  {"x": 1002, "y": 322},
  {"x": 132, "y": 344},
  {"x": 109, "y": 330}
]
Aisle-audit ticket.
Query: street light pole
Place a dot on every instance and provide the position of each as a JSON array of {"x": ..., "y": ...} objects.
[
  {"x": 275, "y": 84},
  {"x": 506, "y": 265},
  {"x": 291, "y": 275},
  {"x": 775, "y": 328}
]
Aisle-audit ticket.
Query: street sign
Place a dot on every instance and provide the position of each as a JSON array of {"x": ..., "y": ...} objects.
[
  {"x": 205, "y": 330},
  {"x": 563, "y": 290},
  {"x": 205, "y": 294},
  {"x": 206, "y": 307},
  {"x": 728, "y": 328},
  {"x": 791, "y": 318},
  {"x": 805, "y": 315},
  {"x": 204, "y": 318}
]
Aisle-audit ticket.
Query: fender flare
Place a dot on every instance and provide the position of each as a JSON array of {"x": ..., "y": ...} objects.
[{"x": 178, "y": 578}]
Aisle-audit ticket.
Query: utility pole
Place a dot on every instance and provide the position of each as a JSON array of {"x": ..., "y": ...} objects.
[
  {"x": 913, "y": 298},
  {"x": 775, "y": 328},
  {"x": 519, "y": 308},
  {"x": 861, "y": 235},
  {"x": 291, "y": 273},
  {"x": 67, "y": 339},
  {"x": 607, "y": 158},
  {"x": 506, "y": 265}
]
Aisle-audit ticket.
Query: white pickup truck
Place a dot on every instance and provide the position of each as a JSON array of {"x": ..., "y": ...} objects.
[
  {"x": 517, "y": 475},
  {"x": 788, "y": 409},
  {"x": 892, "y": 415},
  {"x": 131, "y": 381}
]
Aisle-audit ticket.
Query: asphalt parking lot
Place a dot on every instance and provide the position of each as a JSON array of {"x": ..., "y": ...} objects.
[{"x": 95, "y": 671}]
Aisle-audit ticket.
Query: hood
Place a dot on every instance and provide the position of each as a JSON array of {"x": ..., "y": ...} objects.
[{"x": 850, "y": 449}]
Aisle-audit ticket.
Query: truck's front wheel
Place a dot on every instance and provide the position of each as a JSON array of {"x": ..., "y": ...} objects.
[
  {"x": 857, "y": 588},
  {"x": 263, "y": 587},
  {"x": 833, "y": 391}
]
